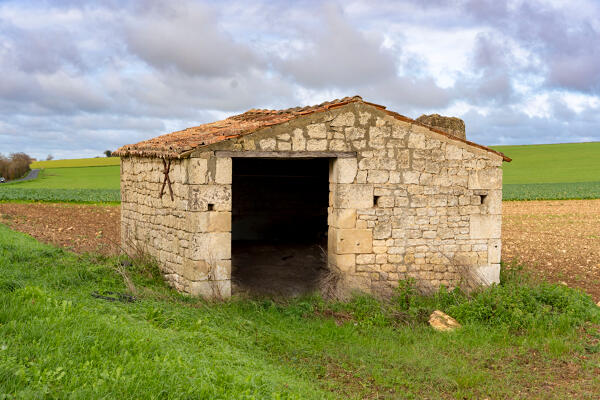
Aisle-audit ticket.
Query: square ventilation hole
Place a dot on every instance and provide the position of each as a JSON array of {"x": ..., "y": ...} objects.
[{"x": 211, "y": 207}]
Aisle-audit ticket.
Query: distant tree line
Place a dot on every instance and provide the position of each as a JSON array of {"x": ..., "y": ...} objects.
[{"x": 15, "y": 165}]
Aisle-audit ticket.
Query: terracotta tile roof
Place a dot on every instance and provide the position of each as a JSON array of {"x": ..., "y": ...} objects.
[{"x": 181, "y": 143}]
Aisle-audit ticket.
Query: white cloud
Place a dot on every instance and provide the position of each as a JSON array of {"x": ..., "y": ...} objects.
[{"x": 81, "y": 77}]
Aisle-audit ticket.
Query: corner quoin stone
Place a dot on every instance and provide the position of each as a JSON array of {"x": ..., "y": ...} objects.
[{"x": 354, "y": 241}]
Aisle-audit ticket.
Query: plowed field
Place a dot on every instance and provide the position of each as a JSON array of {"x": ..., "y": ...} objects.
[{"x": 555, "y": 240}]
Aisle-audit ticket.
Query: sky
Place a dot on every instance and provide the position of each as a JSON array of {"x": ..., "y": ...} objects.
[{"x": 80, "y": 77}]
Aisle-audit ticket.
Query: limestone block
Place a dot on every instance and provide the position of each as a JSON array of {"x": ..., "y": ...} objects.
[
  {"x": 344, "y": 218},
  {"x": 268, "y": 144},
  {"x": 493, "y": 201},
  {"x": 353, "y": 195},
  {"x": 377, "y": 137},
  {"x": 453, "y": 152},
  {"x": 216, "y": 221},
  {"x": 343, "y": 170},
  {"x": 354, "y": 241},
  {"x": 220, "y": 270},
  {"x": 411, "y": 177},
  {"x": 485, "y": 226},
  {"x": 201, "y": 196},
  {"x": 382, "y": 230},
  {"x": 248, "y": 144},
  {"x": 365, "y": 259},
  {"x": 489, "y": 178},
  {"x": 416, "y": 140},
  {"x": 211, "y": 246},
  {"x": 338, "y": 145},
  {"x": 488, "y": 274},
  {"x": 177, "y": 172},
  {"x": 364, "y": 117},
  {"x": 465, "y": 258},
  {"x": 223, "y": 171},
  {"x": 378, "y": 176},
  {"x": 494, "y": 249},
  {"x": 344, "y": 119},
  {"x": 298, "y": 140},
  {"x": 284, "y": 146},
  {"x": 386, "y": 201},
  {"x": 197, "y": 171},
  {"x": 211, "y": 289},
  {"x": 425, "y": 179},
  {"x": 354, "y": 133},
  {"x": 345, "y": 262},
  {"x": 194, "y": 270},
  {"x": 317, "y": 131},
  {"x": 403, "y": 159},
  {"x": 316, "y": 145}
]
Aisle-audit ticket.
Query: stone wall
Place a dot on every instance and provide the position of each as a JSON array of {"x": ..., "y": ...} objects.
[
  {"x": 412, "y": 204},
  {"x": 190, "y": 237}
]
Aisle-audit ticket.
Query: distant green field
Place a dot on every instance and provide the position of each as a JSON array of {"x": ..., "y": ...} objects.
[
  {"x": 75, "y": 178},
  {"x": 16, "y": 193},
  {"x": 552, "y": 163},
  {"x": 76, "y": 184},
  {"x": 537, "y": 172},
  {"x": 78, "y": 162},
  {"x": 551, "y": 191},
  {"x": 552, "y": 171}
]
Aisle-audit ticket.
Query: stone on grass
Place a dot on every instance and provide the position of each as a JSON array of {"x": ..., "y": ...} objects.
[{"x": 442, "y": 322}]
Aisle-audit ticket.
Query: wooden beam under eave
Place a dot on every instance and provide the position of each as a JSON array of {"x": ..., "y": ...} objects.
[{"x": 285, "y": 154}]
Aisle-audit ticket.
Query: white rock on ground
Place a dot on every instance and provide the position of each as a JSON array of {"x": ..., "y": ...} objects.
[{"x": 443, "y": 322}]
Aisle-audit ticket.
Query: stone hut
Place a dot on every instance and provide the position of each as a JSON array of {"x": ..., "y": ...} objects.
[{"x": 344, "y": 191}]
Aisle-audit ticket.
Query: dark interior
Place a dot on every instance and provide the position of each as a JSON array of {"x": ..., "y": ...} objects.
[{"x": 279, "y": 224}]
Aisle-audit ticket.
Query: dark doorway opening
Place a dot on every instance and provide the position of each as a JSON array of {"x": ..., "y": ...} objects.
[{"x": 279, "y": 225}]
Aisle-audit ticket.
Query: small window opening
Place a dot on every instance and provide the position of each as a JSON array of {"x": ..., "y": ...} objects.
[
  {"x": 211, "y": 207},
  {"x": 483, "y": 197},
  {"x": 375, "y": 200}
]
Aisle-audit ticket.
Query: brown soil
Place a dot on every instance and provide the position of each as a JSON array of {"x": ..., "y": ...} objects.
[
  {"x": 81, "y": 228},
  {"x": 555, "y": 240}
]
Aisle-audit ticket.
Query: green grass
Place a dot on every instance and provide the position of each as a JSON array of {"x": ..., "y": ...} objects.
[
  {"x": 75, "y": 178},
  {"x": 551, "y": 171},
  {"x": 77, "y": 184},
  {"x": 13, "y": 193},
  {"x": 552, "y": 163},
  {"x": 57, "y": 341},
  {"x": 79, "y": 162},
  {"x": 551, "y": 191}
]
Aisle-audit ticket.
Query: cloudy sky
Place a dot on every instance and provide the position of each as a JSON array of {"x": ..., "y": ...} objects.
[{"x": 77, "y": 78}]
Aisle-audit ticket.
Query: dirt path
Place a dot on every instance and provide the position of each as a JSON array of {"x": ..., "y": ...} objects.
[{"x": 556, "y": 240}]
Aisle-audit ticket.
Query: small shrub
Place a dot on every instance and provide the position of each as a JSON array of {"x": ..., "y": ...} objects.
[
  {"x": 520, "y": 303},
  {"x": 517, "y": 304}
]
